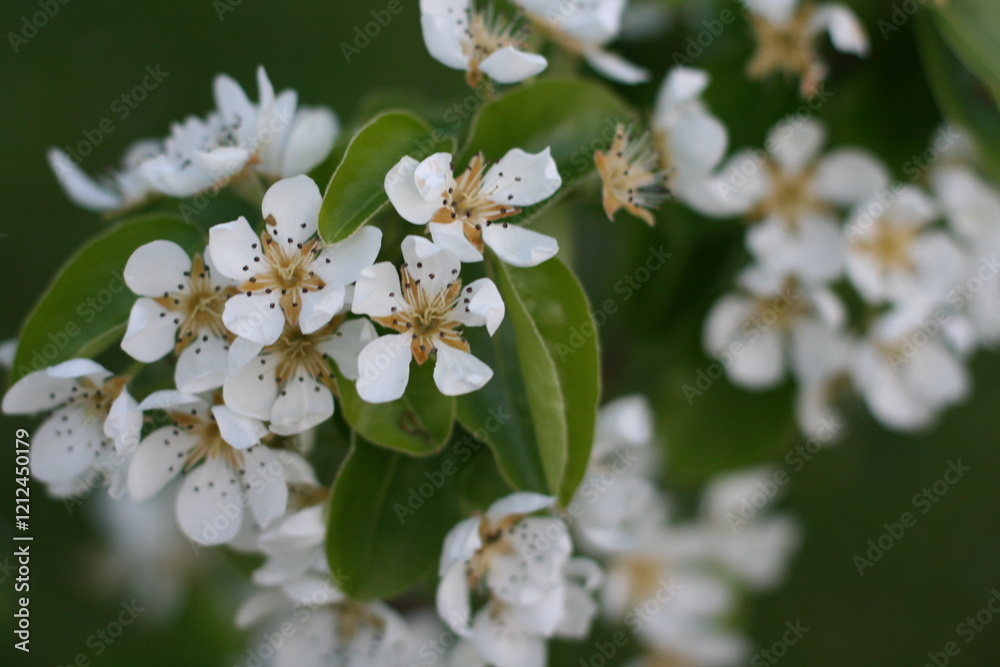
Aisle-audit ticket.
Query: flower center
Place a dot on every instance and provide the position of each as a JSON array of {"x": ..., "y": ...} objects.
[
  {"x": 300, "y": 353},
  {"x": 199, "y": 303},
  {"x": 210, "y": 443},
  {"x": 469, "y": 203},
  {"x": 631, "y": 179},
  {"x": 791, "y": 195},
  {"x": 781, "y": 310},
  {"x": 890, "y": 245},
  {"x": 95, "y": 400},
  {"x": 786, "y": 47},
  {"x": 645, "y": 576},
  {"x": 488, "y": 32}
]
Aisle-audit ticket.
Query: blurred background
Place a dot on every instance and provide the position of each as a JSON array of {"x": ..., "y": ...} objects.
[{"x": 65, "y": 80}]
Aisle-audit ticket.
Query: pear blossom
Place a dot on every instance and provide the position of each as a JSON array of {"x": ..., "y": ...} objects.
[
  {"x": 464, "y": 213},
  {"x": 690, "y": 140},
  {"x": 122, "y": 189},
  {"x": 179, "y": 310},
  {"x": 329, "y": 628},
  {"x": 478, "y": 42},
  {"x": 272, "y": 138},
  {"x": 226, "y": 467},
  {"x": 906, "y": 375},
  {"x": 428, "y": 305},
  {"x": 758, "y": 331},
  {"x": 523, "y": 564},
  {"x": 894, "y": 256},
  {"x": 630, "y": 176},
  {"x": 93, "y": 427},
  {"x": 285, "y": 274},
  {"x": 795, "y": 194},
  {"x": 787, "y": 32},
  {"x": 289, "y": 383},
  {"x": 585, "y": 27}
]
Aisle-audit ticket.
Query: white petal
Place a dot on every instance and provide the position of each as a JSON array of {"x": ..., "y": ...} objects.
[
  {"x": 451, "y": 236},
  {"x": 937, "y": 377},
  {"x": 294, "y": 204},
  {"x": 384, "y": 368},
  {"x": 209, "y": 510},
  {"x": 38, "y": 391},
  {"x": 253, "y": 390},
  {"x": 268, "y": 492},
  {"x": 430, "y": 265},
  {"x": 457, "y": 372},
  {"x": 75, "y": 368},
  {"x": 520, "y": 178},
  {"x": 775, "y": 11},
  {"x": 218, "y": 165},
  {"x": 580, "y": 610},
  {"x": 377, "y": 291},
  {"x": 346, "y": 344},
  {"x": 260, "y": 606},
  {"x": 238, "y": 430},
  {"x": 124, "y": 422},
  {"x": 453, "y": 599},
  {"x": 241, "y": 353},
  {"x": 795, "y": 143},
  {"x": 341, "y": 263},
  {"x": 433, "y": 176},
  {"x": 156, "y": 268},
  {"x": 848, "y": 175},
  {"x": 722, "y": 325},
  {"x": 256, "y": 317},
  {"x": 846, "y": 31},
  {"x": 302, "y": 404},
  {"x": 760, "y": 364},
  {"x": 504, "y": 643},
  {"x": 65, "y": 445},
  {"x": 480, "y": 304},
  {"x": 166, "y": 399},
  {"x": 540, "y": 547},
  {"x": 615, "y": 67},
  {"x": 310, "y": 140},
  {"x": 460, "y": 544},
  {"x": 406, "y": 196},
  {"x": 697, "y": 143},
  {"x": 510, "y": 65},
  {"x": 159, "y": 458},
  {"x": 524, "y": 502},
  {"x": 320, "y": 306},
  {"x": 232, "y": 102},
  {"x": 681, "y": 85},
  {"x": 234, "y": 246},
  {"x": 80, "y": 188},
  {"x": 443, "y": 38},
  {"x": 151, "y": 332},
  {"x": 519, "y": 246},
  {"x": 202, "y": 364}
]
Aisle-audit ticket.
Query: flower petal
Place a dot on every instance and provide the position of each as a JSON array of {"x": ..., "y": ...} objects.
[
  {"x": 520, "y": 178},
  {"x": 846, "y": 176},
  {"x": 208, "y": 505},
  {"x": 253, "y": 390},
  {"x": 301, "y": 404},
  {"x": 443, "y": 35},
  {"x": 341, "y": 263},
  {"x": 519, "y": 246},
  {"x": 384, "y": 368},
  {"x": 457, "y": 372},
  {"x": 504, "y": 643},
  {"x": 293, "y": 204},
  {"x": 846, "y": 32},
  {"x": 510, "y": 65},
  {"x": 320, "y": 306},
  {"x": 159, "y": 458},
  {"x": 202, "y": 364},
  {"x": 481, "y": 304},
  {"x": 255, "y": 317},
  {"x": 238, "y": 430},
  {"x": 234, "y": 248},
  {"x": 346, "y": 344},
  {"x": 157, "y": 268},
  {"x": 310, "y": 140},
  {"x": 452, "y": 599},
  {"x": 124, "y": 422},
  {"x": 795, "y": 143},
  {"x": 523, "y": 502},
  {"x": 264, "y": 481},
  {"x": 80, "y": 188},
  {"x": 451, "y": 236},
  {"x": 615, "y": 67},
  {"x": 430, "y": 265},
  {"x": 151, "y": 332},
  {"x": 65, "y": 445},
  {"x": 377, "y": 291}
]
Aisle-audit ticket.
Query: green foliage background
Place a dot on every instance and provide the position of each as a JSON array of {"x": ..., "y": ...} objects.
[{"x": 65, "y": 80}]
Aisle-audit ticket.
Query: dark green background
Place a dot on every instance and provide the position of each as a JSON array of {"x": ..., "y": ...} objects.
[{"x": 64, "y": 81}]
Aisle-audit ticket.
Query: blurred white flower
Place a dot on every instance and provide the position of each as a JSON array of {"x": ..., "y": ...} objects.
[
  {"x": 465, "y": 213},
  {"x": 428, "y": 310},
  {"x": 121, "y": 189}
]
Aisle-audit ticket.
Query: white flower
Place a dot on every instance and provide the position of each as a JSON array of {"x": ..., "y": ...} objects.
[
  {"x": 756, "y": 334},
  {"x": 122, "y": 189},
  {"x": 289, "y": 383},
  {"x": 690, "y": 140},
  {"x": 180, "y": 310},
  {"x": 630, "y": 176},
  {"x": 821, "y": 360},
  {"x": 226, "y": 466},
  {"x": 465, "y": 212},
  {"x": 285, "y": 274},
  {"x": 327, "y": 628},
  {"x": 523, "y": 564},
  {"x": 787, "y": 34},
  {"x": 8, "y": 350},
  {"x": 893, "y": 256},
  {"x": 427, "y": 309},
  {"x": 796, "y": 193},
  {"x": 906, "y": 375},
  {"x": 272, "y": 138},
  {"x": 585, "y": 27},
  {"x": 93, "y": 428},
  {"x": 478, "y": 42}
]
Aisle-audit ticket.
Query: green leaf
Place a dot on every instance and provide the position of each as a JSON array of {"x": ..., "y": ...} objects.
[
  {"x": 418, "y": 423},
  {"x": 962, "y": 97},
  {"x": 572, "y": 117},
  {"x": 562, "y": 315},
  {"x": 539, "y": 409},
  {"x": 86, "y": 308},
  {"x": 971, "y": 28},
  {"x": 388, "y": 516},
  {"x": 356, "y": 191}
]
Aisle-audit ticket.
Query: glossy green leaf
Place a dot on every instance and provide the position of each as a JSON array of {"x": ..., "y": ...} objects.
[
  {"x": 387, "y": 519},
  {"x": 356, "y": 191},
  {"x": 86, "y": 308},
  {"x": 562, "y": 315},
  {"x": 545, "y": 384},
  {"x": 971, "y": 28},
  {"x": 963, "y": 97},
  {"x": 418, "y": 423}
]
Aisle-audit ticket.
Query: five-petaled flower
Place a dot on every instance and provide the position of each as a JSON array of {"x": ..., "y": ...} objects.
[
  {"x": 428, "y": 308},
  {"x": 467, "y": 212},
  {"x": 285, "y": 274}
]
